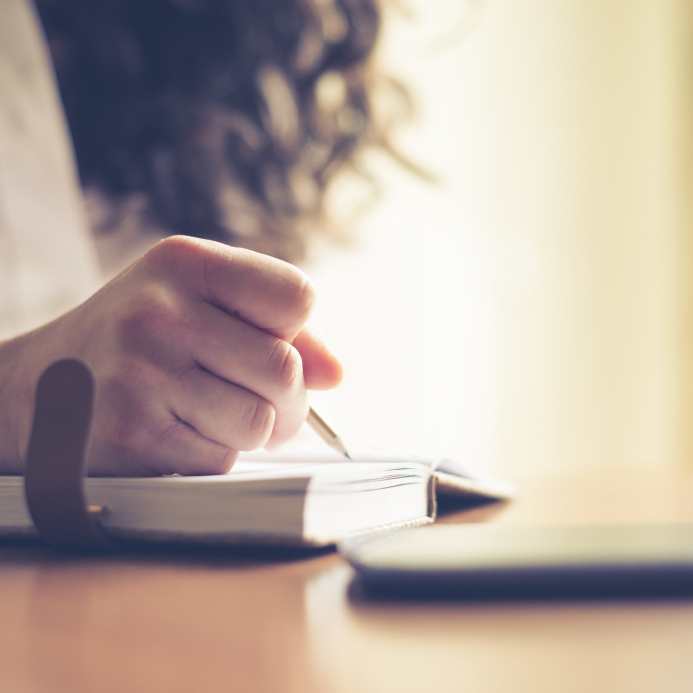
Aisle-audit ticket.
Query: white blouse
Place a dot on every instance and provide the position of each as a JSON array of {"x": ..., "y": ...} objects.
[{"x": 48, "y": 261}]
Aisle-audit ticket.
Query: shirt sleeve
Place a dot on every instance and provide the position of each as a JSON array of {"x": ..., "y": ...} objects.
[{"x": 48, "y": 262}]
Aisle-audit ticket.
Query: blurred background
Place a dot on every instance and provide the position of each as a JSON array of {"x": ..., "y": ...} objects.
[
  {"x": 529, "y": 310},
  {"x": 532, "y": 310}
]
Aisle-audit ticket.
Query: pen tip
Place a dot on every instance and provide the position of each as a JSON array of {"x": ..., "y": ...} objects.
[{"x": 347, "y": 455}]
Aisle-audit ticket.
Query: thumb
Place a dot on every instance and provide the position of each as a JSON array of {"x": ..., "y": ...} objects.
[{"x": 322, "y": 370}]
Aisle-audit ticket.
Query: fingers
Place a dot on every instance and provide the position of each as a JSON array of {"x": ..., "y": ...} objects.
[
  {"x": 135, "y": 436},
  {"x": 223, "y": 412},
  {"x": 263, "y": 291},
  {"x": 180, "y": 336},
  {"x": 321, "y": 368},
  {"x": 258, "y": 362},
  {"x": 182, "y": 450}
]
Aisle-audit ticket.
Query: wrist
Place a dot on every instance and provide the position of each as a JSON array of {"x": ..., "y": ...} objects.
[{"x": 17, "y": 384}]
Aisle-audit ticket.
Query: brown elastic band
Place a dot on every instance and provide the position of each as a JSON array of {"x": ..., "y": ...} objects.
[{"x": 57, "y": 458}]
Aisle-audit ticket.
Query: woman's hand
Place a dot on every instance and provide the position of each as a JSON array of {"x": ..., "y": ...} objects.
[{"x": 192, "y": 350}]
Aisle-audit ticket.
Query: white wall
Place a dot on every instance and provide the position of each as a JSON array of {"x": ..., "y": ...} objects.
[{"x": 532, "y": 310}]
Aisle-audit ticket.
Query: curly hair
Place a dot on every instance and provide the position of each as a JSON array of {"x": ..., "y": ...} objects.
[{"x": 230, "y": 116}]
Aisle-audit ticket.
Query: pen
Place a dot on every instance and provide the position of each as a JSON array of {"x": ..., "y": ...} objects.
[{"x": 326, "y": 432}]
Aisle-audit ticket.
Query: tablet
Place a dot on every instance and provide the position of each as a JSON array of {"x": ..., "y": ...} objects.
[{"x": 494, "y": 560}]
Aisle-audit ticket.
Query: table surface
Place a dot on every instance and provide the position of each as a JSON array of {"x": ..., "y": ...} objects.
[{"x": 218, "y": 622}]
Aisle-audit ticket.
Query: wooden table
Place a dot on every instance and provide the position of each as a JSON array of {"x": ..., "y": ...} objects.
[{"x": 210, "y": 622}]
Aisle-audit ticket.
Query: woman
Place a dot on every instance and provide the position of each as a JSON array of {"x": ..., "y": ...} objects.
[{"x": 200, "y": 350}]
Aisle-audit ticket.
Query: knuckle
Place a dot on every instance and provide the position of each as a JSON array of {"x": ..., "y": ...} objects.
[
  {"x": 183, "y": 257},
  {"x": 301, "y": 296},
  {"x": 195, "y": 262},
  {"x": 220, "y": 460},
  {"x": 259, "y": 424},
  {"x": 173, "y": 250},
  {"x": 285, "y": 367}
]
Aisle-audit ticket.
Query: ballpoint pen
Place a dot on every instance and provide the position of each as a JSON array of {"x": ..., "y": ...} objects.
[{"x": 326, "y": 432}]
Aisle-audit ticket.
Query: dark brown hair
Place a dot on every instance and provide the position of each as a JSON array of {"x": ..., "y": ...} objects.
[{"x": 230, "y": 116}]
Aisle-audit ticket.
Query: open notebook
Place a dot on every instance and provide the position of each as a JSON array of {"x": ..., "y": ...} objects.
[{"x": 297, "y": 498}]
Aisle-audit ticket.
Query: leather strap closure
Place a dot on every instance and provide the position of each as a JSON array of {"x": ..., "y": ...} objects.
[{"x": 56, "y": 461}]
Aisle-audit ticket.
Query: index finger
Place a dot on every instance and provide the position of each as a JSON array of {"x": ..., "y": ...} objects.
[{"x": 263, "y": 291}]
